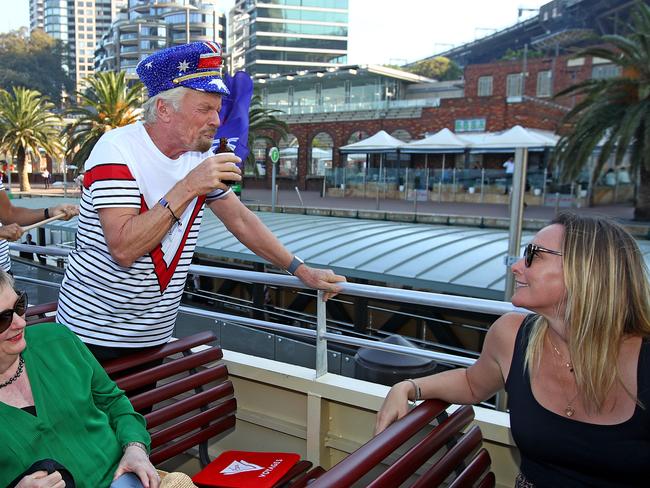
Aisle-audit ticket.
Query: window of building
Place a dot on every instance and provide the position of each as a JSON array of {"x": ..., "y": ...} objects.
[
  {"x": 288, "y": 164},
  {"x": 321, "y": 154},
  {"x": 605, "y": 71},
  {"x": 402, "y": 134},
  {"x": 514, "y": 85},
  {"x": 485, "y": 86},
  {"x": 544, "y": 84}
]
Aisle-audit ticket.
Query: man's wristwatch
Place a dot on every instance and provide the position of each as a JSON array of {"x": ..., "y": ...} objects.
[{"x": 295, "y": 262}]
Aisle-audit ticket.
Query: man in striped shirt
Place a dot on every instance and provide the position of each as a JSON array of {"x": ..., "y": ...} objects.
[{"x": 145, "y": 188}]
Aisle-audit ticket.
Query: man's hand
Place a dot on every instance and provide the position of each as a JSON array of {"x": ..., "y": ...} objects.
[
  {"x": 212, "y": 172},
  {"x": 322, "y": 279},
  {"x": 11, "y": 232},
  {"x": 68, "y": 210},
  {"x": 136, "y": 461},
  {"x": 40, "y": 479}
]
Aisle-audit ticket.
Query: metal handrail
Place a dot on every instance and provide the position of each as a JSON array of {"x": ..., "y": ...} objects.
[{"x": 320, "y": 334}]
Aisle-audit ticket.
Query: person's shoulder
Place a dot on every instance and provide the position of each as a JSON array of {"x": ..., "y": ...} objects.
[
  {"x": 507, "y": 326},
  {"x": 118, "y": 133},
  {"x": 48, "y": 332},
  {"x": 111, "y": 146}
]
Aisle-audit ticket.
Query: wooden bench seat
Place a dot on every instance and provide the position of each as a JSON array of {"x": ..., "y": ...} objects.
[
  {"x": 184, "y": 394},
  {"x": 454, "y": 456}
]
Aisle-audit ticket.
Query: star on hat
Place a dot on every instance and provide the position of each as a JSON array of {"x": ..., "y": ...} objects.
[{"x": 183, "y": 66}]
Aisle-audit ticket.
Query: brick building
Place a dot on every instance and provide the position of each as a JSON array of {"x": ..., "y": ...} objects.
[{"x": 491, "y": 97}]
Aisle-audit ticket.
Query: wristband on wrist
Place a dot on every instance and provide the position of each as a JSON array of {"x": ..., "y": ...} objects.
[
  {"x": 46, "y": 213},
  {"x": 293, "y": 266},
  {"x": 135, "y": 444},
  {"x": 418, "y": 393},
  {"x": 163, "y": 201}
]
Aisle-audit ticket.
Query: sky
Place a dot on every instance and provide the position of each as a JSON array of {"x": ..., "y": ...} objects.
[{"x": 387, "y": 32}]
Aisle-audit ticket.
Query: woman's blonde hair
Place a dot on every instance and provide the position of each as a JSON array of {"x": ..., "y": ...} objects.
[{"x": 607, "y": 298}]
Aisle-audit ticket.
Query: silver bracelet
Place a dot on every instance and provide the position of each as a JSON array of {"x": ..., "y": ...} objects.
[
  {"x": 135, "y": 444},
  {"x": 418, "y": 392}
]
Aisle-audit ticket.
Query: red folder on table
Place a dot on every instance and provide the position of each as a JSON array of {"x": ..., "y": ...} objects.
[{"x": 240, "y": 469}]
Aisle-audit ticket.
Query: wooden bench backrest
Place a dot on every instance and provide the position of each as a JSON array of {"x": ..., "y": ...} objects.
[
  {"x": 193, "y": 400},
  {"x": 461, "y": 456},
  {"x": 36, "y": 314}
]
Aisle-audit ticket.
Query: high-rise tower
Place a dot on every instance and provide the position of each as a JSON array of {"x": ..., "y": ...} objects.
[
  {"x": 79, "y": 24},
  {"x": 282, "y": 36}
]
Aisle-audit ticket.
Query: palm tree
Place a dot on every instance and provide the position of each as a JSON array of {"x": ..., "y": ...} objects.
[
  {"x": 107, "y": 103},
  {"x": 27, "y": 124},
  {"x": 263, "y": 124},
  {"x": 614, "y": 111}
]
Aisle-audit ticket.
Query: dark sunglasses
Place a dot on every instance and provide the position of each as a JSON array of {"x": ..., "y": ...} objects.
[
  {"x": 7, "y": 316},
  {"x": 531, "y": 250}
]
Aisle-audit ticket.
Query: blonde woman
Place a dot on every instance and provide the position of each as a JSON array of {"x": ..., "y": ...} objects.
[{"x": 577, "y": 371}]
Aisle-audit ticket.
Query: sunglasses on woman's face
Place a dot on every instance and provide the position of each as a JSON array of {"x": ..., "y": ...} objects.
[
  {"x": 532, "y": 250},
  {"x": 7, "y": 316}
]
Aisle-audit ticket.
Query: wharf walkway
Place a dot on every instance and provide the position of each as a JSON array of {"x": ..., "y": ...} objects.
[{"x": 452, "y": 213}]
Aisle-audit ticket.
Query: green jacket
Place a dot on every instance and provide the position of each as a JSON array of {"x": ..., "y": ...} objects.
[{"x": 83, "y": 418}]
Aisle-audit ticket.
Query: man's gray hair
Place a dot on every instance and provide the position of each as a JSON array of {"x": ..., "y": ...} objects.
[{"x": 172, "y": 97}]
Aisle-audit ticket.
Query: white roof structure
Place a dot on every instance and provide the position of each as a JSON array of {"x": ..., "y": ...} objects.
[
  {"x": 515, "y": 138},
  {"x": 443, "y": 141},
  {"x": 381, "y": 142}
]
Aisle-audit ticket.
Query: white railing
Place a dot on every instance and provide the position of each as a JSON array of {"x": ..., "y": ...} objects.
[{"x": 321, "y": 335}]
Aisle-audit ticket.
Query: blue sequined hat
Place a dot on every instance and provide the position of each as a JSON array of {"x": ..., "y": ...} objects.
[{"x": 197, "y": 65}]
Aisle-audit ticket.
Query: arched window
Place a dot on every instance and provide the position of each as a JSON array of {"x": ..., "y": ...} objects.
[
  {"x": 321, "y": 154},
  {"x": 357, "y": 161},
  {"x": 288, "y": 164}
]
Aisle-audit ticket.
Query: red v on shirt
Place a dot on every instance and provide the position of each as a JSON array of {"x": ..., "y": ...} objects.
[{"x": 165, "y": 261}]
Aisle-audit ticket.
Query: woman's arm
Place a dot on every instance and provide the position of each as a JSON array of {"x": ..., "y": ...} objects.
[
  {"x": 463, "y": 385},
  {"x": 128, "y": 425}
]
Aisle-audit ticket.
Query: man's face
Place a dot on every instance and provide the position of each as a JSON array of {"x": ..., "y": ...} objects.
[{"x": 197, "y": 120}]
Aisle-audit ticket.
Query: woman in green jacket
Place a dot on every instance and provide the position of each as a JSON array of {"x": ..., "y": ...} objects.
[{"x": 57, "y": 402}]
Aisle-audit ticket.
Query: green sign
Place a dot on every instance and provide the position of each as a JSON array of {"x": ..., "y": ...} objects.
[{"x": 274, "y": 154}]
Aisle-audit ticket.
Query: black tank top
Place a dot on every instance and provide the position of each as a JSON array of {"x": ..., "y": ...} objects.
[{"x": 558, "y": 452}]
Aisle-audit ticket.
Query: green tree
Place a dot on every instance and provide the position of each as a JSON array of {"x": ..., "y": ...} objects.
[
  {"x": 107, "y": 103},
  {"x": 613, "y": 111},
  {"x": 513, "y": 55},
  {"x": 263, "y": 124},
  {"x": 33, "y": 61},
  {"x": 27, "y": 124},
  {"x": 438, "y": 68}
]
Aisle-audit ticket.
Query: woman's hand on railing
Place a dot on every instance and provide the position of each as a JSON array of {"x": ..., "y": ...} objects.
[
  {"x": 321, "y": 279},
  {"x": 395, "y": 406}
]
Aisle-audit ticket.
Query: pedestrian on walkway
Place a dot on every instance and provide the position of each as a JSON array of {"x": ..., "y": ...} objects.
[
  {"x": 509, "y": 166},
  {"x": 46, "y": 178}
]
